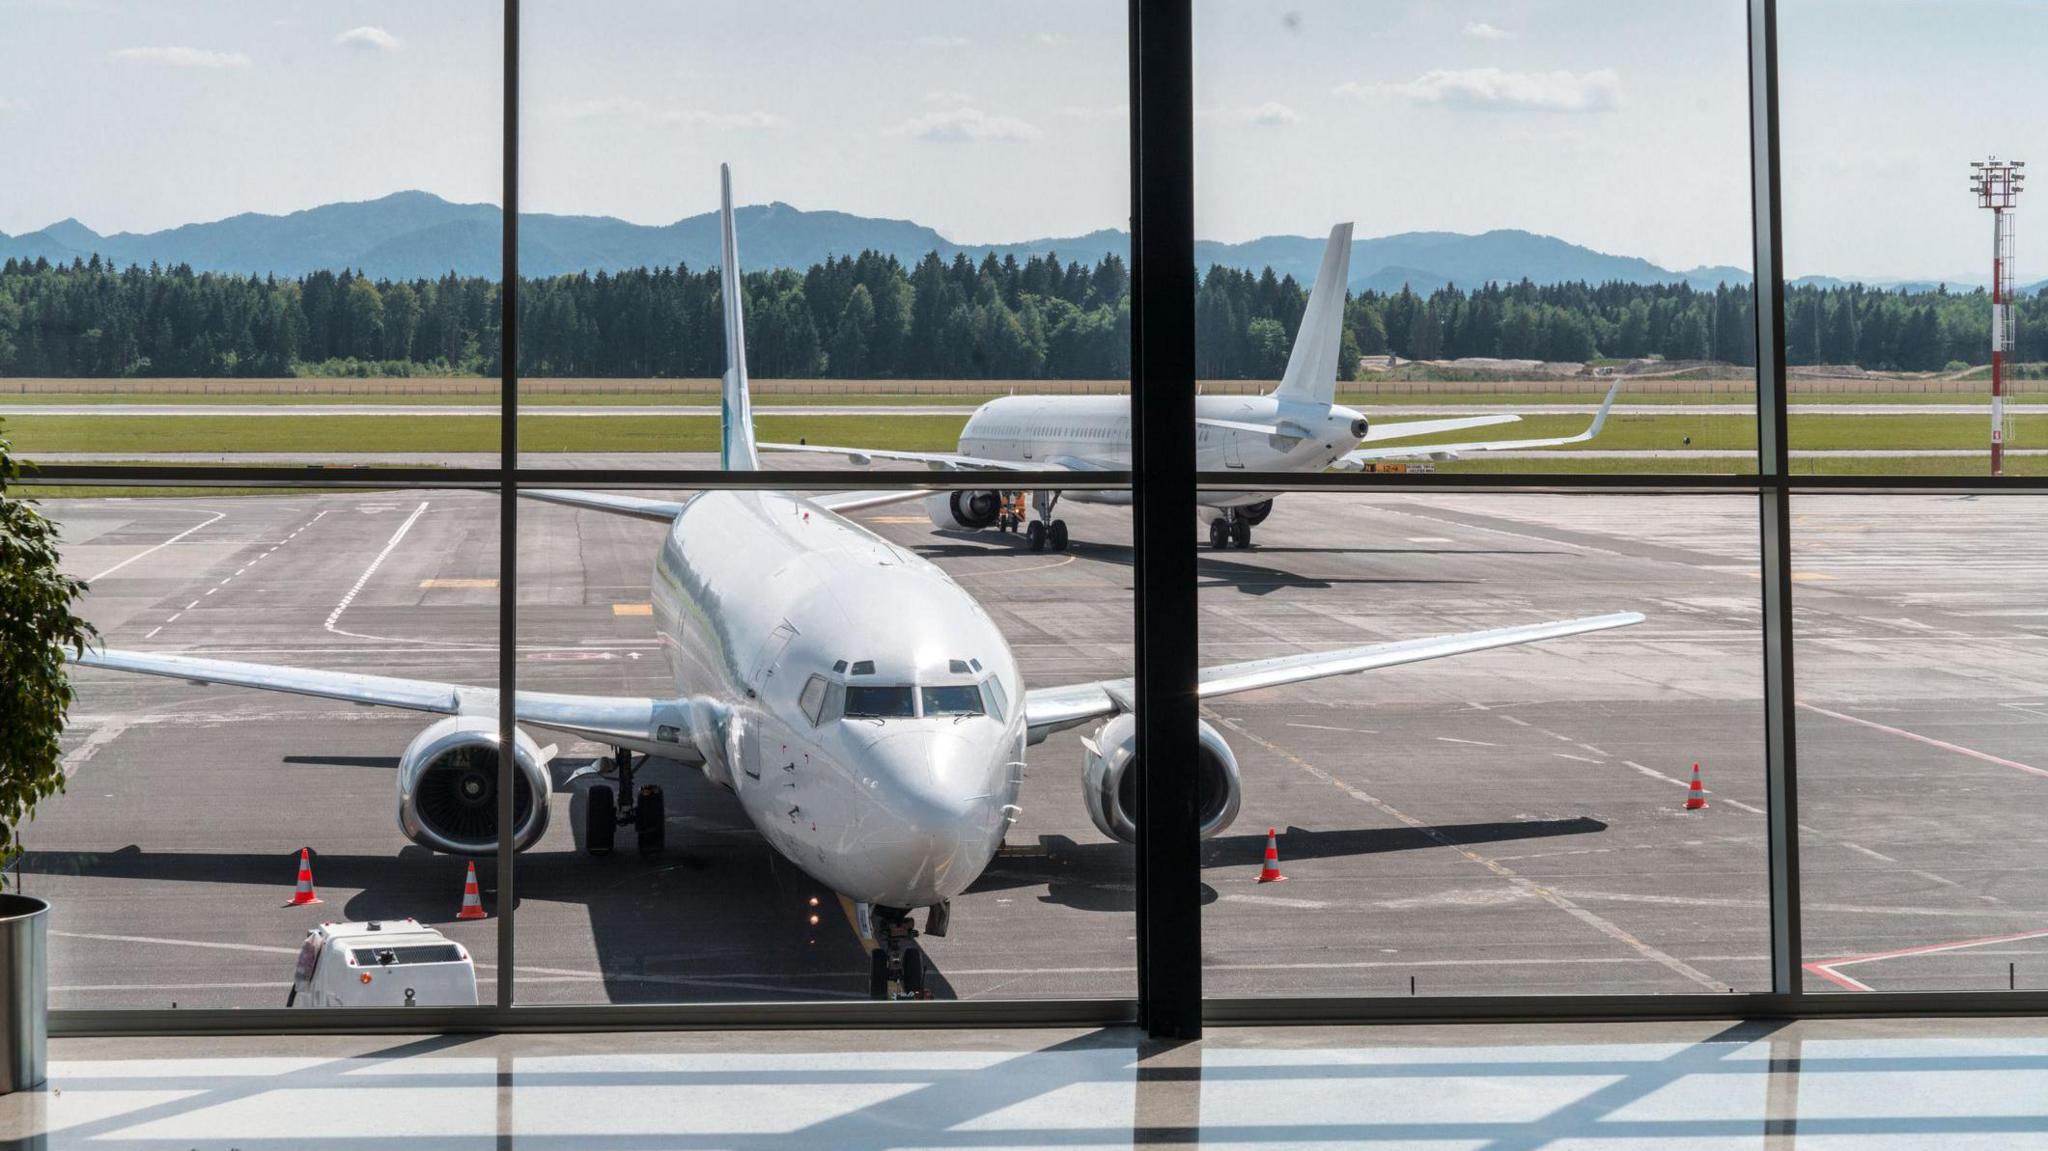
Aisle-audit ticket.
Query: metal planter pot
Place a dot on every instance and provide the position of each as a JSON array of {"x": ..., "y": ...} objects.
[{"x": 24, "y": 991}]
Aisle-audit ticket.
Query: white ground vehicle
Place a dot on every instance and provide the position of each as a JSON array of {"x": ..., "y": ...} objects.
[{"x": 393, "y": 963}]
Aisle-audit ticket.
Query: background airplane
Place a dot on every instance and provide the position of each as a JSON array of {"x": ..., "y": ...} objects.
[
  {"x": 1297, "y": 427},
  {"x": 864, "y": 709}
]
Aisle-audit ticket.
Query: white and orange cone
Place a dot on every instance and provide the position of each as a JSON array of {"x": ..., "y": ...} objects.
[
  {"x": 1270, "y": 873},
  {"x": 472, "y": 905},
  {"x": 304, "y": 894},
  {"x": 1695, "y": 796}
]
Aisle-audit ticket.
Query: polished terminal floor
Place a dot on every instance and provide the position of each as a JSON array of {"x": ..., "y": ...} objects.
[{"x": 1973, "y": 1084}]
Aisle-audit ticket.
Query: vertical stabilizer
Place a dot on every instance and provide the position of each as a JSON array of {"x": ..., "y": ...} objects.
[
  {"x": 1312, "y": 367},
  {"x": 736, "y": 411}
]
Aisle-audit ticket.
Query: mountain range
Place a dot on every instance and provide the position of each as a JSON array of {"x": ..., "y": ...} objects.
[{"x": 416, "y": 234}]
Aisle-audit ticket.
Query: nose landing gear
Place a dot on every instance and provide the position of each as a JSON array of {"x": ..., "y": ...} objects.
[
  {"x": 897, "y": 961},
  {"x": 645, "y": 812}
]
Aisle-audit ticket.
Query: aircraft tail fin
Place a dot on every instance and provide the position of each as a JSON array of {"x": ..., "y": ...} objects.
[
  {"x": 736, "y": 410},
  {"x": 1312, "y": 366}
]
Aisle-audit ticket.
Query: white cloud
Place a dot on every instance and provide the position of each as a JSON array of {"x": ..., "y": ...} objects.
[
  {"x": 13, "y": 105},
  {"x": 1270, "y": 114},
  {"x": 1048, "y": 39},
  {"x": 699, "y": 118},
  {"x": 1595, "y": 91},
  {"x": 369, "y": 38},
  {"x": 179, "y": 57},
  {"x": 966, "y": 124},
  {"x": 607, "y": 108},
  {"x": 1481, "y": 30},
  {"x": 948, "y": 98},
  {"x": 946, "y": 42},
  {"x": 1080, "y": 112}
]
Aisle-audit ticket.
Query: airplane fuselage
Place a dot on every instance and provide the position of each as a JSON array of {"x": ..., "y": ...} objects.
[
  {"x": 873, "y": 715},
  {"x": 1095, "y": 431}
]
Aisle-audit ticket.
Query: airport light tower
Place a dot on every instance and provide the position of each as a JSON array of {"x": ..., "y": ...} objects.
[{"x": 1997, "y": 184}]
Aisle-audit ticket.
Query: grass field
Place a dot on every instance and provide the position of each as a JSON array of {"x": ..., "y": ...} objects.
[{"x": 343, "y": 434}]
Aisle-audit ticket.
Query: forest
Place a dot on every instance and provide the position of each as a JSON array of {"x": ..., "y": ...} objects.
[{"x": 869, "y": 316}]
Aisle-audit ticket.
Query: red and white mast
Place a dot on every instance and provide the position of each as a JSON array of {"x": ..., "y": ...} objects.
[{"x": 1997, "y": 184}]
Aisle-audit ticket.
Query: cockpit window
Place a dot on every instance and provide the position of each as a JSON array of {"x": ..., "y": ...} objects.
[
  {"x": 953, "y": 699},
  {"x": 869, "y": 701},
  {"x": 813, "y": 698},
  {"x": 998, "y": 702}
]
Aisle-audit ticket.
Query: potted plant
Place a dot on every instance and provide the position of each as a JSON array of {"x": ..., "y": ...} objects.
[{"x": 37, "y": 628}]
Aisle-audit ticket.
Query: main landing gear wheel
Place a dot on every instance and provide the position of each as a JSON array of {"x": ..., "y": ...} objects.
[
  {"x": 1034, "y": 534},
  {"x": 645, "y": 811},
  {"x": 1241, "y": 533},
  {"x": 600, "y": 821},
  {"x": 1056, "y": 535},
  {"x": 1219, "y": 534}
]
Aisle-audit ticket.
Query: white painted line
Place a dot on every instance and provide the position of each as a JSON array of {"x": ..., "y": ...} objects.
[
  {"x": 217, "y": 517},
  {"x": 211, "y": 590},
  {"x": 1468, "y": 742},
  {"x": 1516, "y": 722},
  {"x": 1575, "y": 758},
  {"x": 363, "y": 579},
  {"x": 240, "y": 570},
  {"x": 1862, "y": 850},
  {"x": 264, "y": 948},
  {"x": 1274, "y": 901},
  {"x": 193, "y": 604},
  {"x": 101, "y": 736},
  {"x": 174, "y": 617},
  {"x": 1327, "y": 727},
  {"x": 153, "y": 631},
  {"x": 1826, "y": 968},
  {"x": 1929, "y": 740}
]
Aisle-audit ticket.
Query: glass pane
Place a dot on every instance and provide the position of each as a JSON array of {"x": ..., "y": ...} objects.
[
  {"x": 1921, "y": 721},
  {"x": 1529, "y": 206},
  {"x": 1485, "y": 820},
  {"x": 172, "y": 859},
  {"x": 251, "y": 233},
  {"x": 922, "y": 226},
  {"x": 1893, "y": 320},
  {"x": 731, "y": 861}
]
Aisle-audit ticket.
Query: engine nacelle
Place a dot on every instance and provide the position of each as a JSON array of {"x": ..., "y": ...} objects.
[
  {"x": 448, "y": 788},
  {"x": 1255, "y": 514},
  {"x": 1109, "y": 787},
  {"x": 971, "y": 511}
]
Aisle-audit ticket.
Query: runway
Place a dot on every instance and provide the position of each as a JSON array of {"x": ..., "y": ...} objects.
[{"x": 1503, "y": 823}]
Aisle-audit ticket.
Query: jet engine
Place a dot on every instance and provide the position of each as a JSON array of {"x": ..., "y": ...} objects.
[
  {"x": 1109, "y": 786},
  {"x": 448, "y": 788},
  {"x": 1255, "y": 514},
  {"x": 970, "y": 510}
]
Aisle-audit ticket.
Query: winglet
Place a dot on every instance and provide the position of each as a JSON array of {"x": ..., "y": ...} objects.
[
  {"x": 736, "y": 409},
  {"x": 1312, "y": 366}
]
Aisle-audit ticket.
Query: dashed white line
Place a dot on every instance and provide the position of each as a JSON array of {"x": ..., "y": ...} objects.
[
  {"x": 1467, "y": 742},
  {"x": 335, "y": 616},
  {"x": 153, "y": 631},
  {"x": 216, "y": 518},
  {"x": 1929, "y": 740}
]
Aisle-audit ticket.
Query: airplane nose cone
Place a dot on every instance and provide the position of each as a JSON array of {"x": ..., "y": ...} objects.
[{"x": 943, "y": 812}]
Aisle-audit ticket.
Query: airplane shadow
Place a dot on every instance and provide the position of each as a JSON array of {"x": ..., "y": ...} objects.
[
  {"x": 1213, "y": 571},
  {"x": 1101, "y": 876}
]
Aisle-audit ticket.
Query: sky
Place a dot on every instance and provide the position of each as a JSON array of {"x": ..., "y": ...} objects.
[{"x": 1618, "y": 124}]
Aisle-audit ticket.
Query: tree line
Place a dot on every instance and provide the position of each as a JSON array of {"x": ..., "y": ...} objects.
[{"x": 869, "y": 316}]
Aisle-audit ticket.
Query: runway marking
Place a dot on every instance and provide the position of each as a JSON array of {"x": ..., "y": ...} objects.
[
  {"x": 1523, "y": 883},
  {"x": 1327, "y": 727},
  {"x": 267, "y": 949},
  {"x": 1468, "y": 742},
  {"x": 898, "y": 519},
  {"x": 174, "y": 617},
  {"x": 1858, "y": 848},
  {"x": 217, "y": 517},
  {"x": 1516, "y": 722},
  {"x": 646, "y": 609},
  {"x": 459, "y": 583},
  {"x": 1577, "y": 758},
  {"x": 1275, "y": 901},
  {"x": 1929, "y": 740},
  {"x": 1737, "y": 804},
  {"x": 1826, "y": 969},
  {"x": 364, "y": 579},
  {"x": 153, "y": 631},
  {"x": 101, "y": 736},
  {"x": 1058, "y": 563},
  {"x": 1430, "y": 540}
]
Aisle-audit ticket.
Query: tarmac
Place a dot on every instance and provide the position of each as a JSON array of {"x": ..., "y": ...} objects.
[{"x": 1502, "y": 823}]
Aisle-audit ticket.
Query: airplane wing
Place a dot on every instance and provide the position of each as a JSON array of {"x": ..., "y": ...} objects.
[
  {"x": 1409, "y": 429},
  {"x": 664, "y": 727},
  {"x": 1352, "y": 461},
  {"x": 660, "y": 511},
  {"x": 943, "y": 461},
  {"x": 861, "y": 501},
  {"x": 1048, "y": 710}
]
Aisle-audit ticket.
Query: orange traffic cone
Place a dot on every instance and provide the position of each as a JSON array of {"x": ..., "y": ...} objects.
[
  {"x": 1270, "y": 873},
  {"x": 1696, "y": 796},
  {"x": 472, "y": 907},
  {"x": 304, "y": 894}
]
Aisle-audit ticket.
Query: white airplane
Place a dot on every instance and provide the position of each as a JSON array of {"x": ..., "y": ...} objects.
[
  {"x": 1298, "y": 427},
  {"x": 867, "y": 713}
]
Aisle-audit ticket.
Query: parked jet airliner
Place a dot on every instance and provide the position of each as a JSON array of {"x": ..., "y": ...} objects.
[
  {"x": 866, "y": 711},
  {"x": 1298, "y": 427}
]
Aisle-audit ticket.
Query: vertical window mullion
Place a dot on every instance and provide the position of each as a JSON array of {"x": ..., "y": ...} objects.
[{"x": 508, "y": 504}]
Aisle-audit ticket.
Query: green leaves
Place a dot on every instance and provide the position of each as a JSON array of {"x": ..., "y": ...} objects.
[{"x": 37, "y": 627}]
